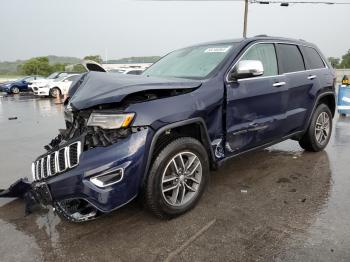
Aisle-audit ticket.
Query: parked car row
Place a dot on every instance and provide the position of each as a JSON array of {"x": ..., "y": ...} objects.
[
  {"x": 127, "y": 71},
  {"x": 56, "y": 84}
]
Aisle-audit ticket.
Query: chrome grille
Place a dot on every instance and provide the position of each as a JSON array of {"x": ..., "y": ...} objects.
[{"x": 57, "y": 162}]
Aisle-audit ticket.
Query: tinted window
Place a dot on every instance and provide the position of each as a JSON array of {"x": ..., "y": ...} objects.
[
  {"x": 312, "y": 58},
  {"x": 291, "y": 58},
  {"x": 267, "y": 55}
]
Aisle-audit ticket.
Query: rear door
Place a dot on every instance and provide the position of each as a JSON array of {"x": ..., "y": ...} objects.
[
  {"x": 255, "y": 106},
  {"x": 318, "y": 73},
  {"x": 292, "y": 65}
]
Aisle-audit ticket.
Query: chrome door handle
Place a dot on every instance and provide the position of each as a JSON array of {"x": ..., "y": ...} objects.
[
  {"x": 278, "y": 84},
  {"x": 311, "y": 77}
]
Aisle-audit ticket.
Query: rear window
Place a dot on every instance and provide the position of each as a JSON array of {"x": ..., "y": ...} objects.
[
  {"x": 290, "y": 58},
  {"x": 313, "y": 59}
]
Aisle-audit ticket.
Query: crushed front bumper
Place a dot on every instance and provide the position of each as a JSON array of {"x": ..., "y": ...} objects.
[{"x": 128, "y": 154}]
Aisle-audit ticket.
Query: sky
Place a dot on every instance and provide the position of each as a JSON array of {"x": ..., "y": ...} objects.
[{"x": 123, "y": 28}]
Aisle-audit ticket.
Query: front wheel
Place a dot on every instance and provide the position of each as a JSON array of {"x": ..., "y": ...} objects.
[
  {"x": 55, "y": 92},
  {"x": 177, "y": 178},
  {"x": 319, "y": 132},
  {"x": 15, "y": 90}
]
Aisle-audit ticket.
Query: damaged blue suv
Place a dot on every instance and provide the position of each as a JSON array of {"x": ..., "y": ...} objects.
[{"x": 158, "y": 135}]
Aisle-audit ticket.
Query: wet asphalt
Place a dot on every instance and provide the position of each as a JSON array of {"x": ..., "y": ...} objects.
[{"x": 277, "y": 204}]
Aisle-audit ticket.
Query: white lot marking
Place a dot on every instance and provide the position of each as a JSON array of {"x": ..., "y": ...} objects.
[{"x": 177, "y": 251}]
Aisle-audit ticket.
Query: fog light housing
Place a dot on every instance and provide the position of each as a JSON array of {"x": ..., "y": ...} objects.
[{"x": 108, "y": 178}]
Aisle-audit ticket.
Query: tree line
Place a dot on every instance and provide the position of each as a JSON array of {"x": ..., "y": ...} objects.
[
  {"x": 342, "y": 63},
  {"x": 46, "y": 65},
  {"x": 41, "y": 66}
]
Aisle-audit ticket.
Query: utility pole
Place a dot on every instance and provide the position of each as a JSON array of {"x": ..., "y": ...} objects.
[{"x": 245, "y": 25}]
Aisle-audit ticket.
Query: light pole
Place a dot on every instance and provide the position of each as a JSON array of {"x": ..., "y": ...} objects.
[{"x": 245, "y": 24}]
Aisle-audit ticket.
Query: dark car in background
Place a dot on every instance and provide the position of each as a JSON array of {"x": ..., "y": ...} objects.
[
  {"x": 20, "y": 85},
  {"x": 158, "y": 135}
]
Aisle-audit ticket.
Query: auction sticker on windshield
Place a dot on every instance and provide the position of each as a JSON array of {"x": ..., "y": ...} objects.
[{"x": 217, "y": 49}]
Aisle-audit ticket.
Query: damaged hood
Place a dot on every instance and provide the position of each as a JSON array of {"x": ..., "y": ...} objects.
[{"x": 98, "y": 88}]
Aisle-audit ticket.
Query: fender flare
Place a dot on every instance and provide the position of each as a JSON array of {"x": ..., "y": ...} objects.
[
  {"x": 321, "y": 95},
  {"x": 204, "y": 133}
]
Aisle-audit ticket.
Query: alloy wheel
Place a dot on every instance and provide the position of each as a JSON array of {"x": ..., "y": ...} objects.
[
  {"x": 55, "y": 93},
  {"x": 322, "y": 128},
  {"x": 15, "y": 90},
  {"x": 181, "y": 179}
]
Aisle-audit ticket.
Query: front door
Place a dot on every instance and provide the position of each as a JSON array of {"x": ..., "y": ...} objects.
[{"x": 256, "y": 106}]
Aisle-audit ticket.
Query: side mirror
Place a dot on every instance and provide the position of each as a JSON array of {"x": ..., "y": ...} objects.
[{"x": 247, "y": 69}]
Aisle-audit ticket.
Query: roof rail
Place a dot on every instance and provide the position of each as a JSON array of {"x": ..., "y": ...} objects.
[{"x": 261, "y": 36}]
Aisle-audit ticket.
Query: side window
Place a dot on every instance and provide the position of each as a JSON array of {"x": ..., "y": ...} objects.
[
  {"x": 290, "y": 58},
  {"x": 266, "y": 54},
  {"x": 313, "y": 59}
]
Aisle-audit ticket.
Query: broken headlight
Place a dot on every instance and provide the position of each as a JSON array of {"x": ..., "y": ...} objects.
[{"x": 110, "y": 121}]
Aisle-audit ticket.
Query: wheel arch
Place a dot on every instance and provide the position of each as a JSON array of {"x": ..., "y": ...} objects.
[
  {"x": 194, "y": 127},
  {"x": 326, "y": 97},
  {"x": 329, "y": 100}
]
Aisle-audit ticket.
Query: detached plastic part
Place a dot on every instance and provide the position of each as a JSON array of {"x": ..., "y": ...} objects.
[
  {"x": 17, "y": 189},
  {"x": 22, "y": 188}
]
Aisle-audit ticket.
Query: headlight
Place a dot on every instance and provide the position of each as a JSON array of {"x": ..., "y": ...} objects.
[{"x": 110, "y": 121}]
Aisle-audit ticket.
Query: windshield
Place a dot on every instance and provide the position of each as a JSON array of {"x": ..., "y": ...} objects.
[
  {"x": 52, "y": 76},
  {"x": 59, "y": 79},
  {"x": 191, "y": 62}
]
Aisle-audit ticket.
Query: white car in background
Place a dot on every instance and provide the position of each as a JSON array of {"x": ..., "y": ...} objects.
[
  {"x": 56, "y": 87},
  {"x": 36, "y": 84}
]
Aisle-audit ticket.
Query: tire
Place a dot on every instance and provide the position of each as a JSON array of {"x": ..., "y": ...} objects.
[
  {"x": 318, "y": 134},
  {"x": 55, "y": 92},
  {"x": 161, "y": 201},
  {"x": 15, "y": 90}
]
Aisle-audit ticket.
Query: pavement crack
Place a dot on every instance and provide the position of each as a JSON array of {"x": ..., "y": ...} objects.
[{"x": 177, "y": 251}]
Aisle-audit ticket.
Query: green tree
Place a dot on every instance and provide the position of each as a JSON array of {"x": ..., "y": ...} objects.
[
  {"x": 96, "y": 58},
  {"x": 57, "y": 67},
  {"x": 345, "y": 62},
  {"x": 334, "y": 61},
  {"x": 36, "y": 66}
]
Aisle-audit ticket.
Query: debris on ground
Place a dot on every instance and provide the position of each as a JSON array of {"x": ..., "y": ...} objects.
[
  {"x": 13, "y": 118},
  {"x": 244, "y": 191}
]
